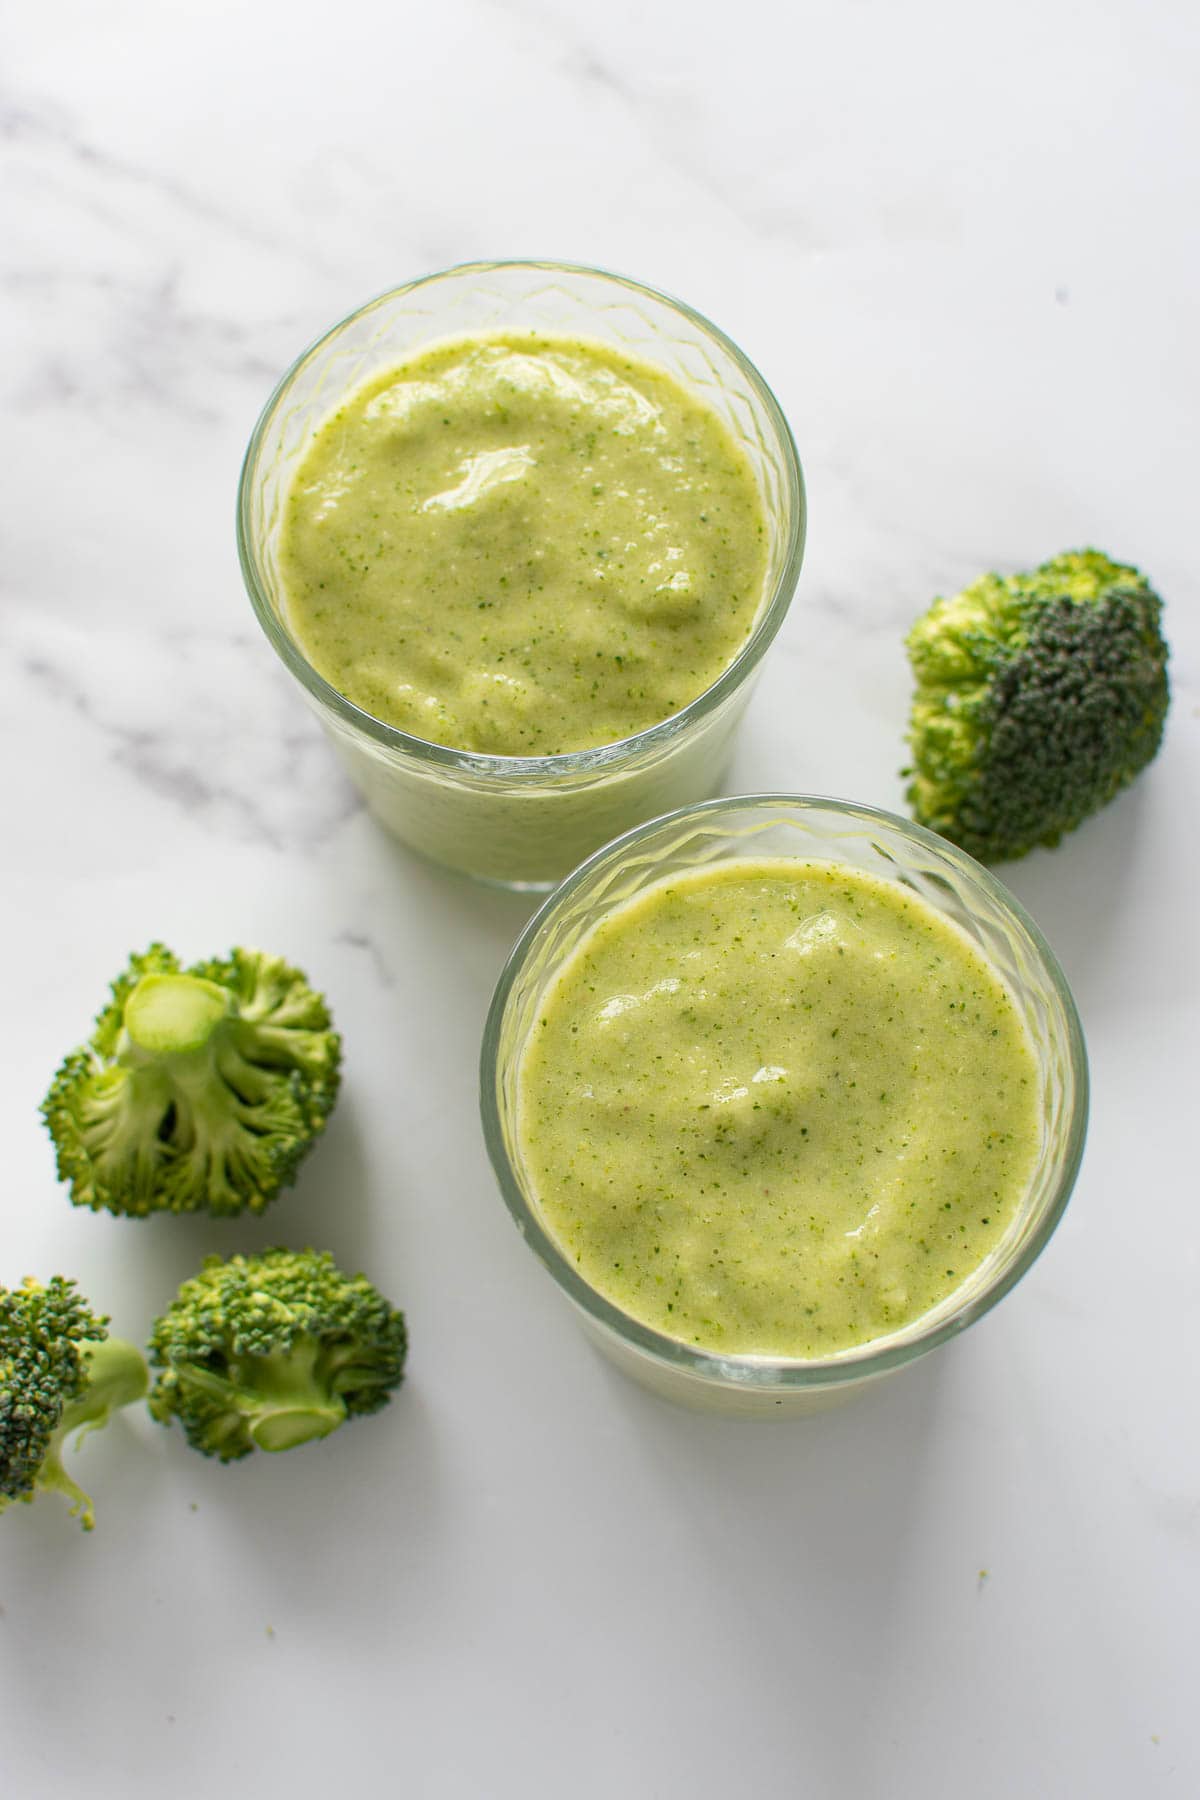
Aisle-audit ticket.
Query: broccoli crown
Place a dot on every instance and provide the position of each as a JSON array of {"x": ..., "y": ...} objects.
[
  {"x": 60, "y": 1372},
  {"x": 200, "y": 1088},
  {"x": 266, "y": 1352},
  {"x": 1038, "y": 697}
]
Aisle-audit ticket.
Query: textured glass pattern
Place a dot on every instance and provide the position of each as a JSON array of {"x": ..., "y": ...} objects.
[
  {"x": 834, "y": 831},
  {"x": 524, "y": 821}
]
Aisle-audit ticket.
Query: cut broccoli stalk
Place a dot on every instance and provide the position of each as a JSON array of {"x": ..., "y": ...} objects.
[
  {"x": 277, "y": 1402},
  {"x": 200, "y": 1088},
  {"x": 116, "y": 1376},
  {"x": 170, "y": 1015}
]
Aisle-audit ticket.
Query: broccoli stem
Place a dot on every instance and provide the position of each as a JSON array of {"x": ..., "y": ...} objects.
[
  {"x": 116, "y": 1377},
  {"x": 289, "y": 1401},
  {"x": 54, "y": 1479},
  {"x": 177, "y": 1032},
  {"x": 169, "y": 1015}
]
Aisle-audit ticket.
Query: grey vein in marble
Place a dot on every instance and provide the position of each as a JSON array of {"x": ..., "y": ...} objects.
[{"x": 211, "y": 728}]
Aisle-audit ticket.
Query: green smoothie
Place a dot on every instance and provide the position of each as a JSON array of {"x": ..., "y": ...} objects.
[
  {"x": 777, "y": 1107},
  {"x": 522, "y": 545}
]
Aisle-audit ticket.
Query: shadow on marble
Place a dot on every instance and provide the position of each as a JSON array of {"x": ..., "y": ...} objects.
[
  {"x": 812, "y": 1518},
  {"x": 277, "y": 1559},
  {"x": 1080, "y": 892}
]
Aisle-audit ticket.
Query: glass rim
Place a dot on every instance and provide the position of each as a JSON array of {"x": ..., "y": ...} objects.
[
  {"x": 531, "y": 768},
  {"x": 765, "y": 1372}
]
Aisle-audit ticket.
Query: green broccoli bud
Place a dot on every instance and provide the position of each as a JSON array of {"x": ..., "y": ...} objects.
[
  {"x": 1038, "y": 698},
  {"x": 269, "y": 1352},
  {"x": 200, "y": 1089},
  {"x": 60, "y": 1374}
]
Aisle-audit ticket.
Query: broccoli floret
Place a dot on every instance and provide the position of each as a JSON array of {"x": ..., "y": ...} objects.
[
  {"x": 267, "y": 1352},
  {"x": 200, "y": 1088},
  {"x": 60, "y": 1372},
  {"x": 1038, "y": 698}
]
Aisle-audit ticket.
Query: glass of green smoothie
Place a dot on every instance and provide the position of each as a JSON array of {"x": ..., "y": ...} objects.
[
  {"x": 784, "y": 1092},
  {"x": 523, "y": 532}
]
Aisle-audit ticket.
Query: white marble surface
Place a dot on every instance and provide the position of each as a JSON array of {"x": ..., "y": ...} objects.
[{"x": 961, "y": 243}]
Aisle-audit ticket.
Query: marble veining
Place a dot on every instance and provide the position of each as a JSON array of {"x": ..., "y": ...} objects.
[
  {"x": 183, "y": 715},
  {"x": 961, "y": 247}
]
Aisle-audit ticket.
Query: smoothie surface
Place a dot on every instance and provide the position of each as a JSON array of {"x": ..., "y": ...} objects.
[
  {"x": 522, "y": 545},
  {"x": 777, "y": 1106}
]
